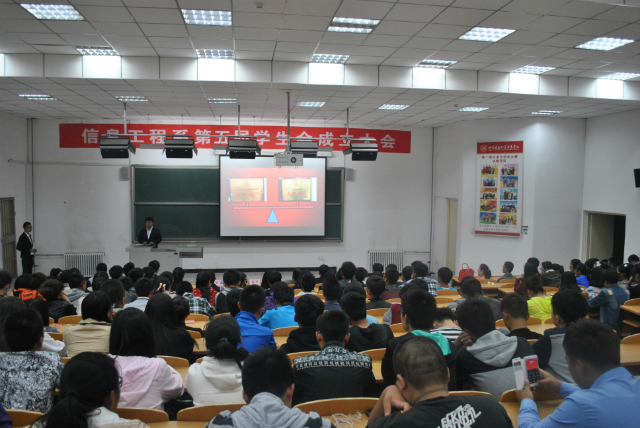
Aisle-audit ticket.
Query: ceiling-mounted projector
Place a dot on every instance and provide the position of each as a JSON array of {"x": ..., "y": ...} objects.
[
  {"x": 367, "y": 151},
  {"x": 243, "y": 148},
  {"x": 116, "y": 148},
  {"x": 307, "y": 148},
  {"x": 179, "y": 148}
]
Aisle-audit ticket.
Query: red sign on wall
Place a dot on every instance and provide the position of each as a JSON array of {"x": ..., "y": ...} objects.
[{"x": 87, "y": 135}]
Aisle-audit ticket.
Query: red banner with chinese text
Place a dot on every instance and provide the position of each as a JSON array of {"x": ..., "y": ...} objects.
[{"x": 87, "y": 135}]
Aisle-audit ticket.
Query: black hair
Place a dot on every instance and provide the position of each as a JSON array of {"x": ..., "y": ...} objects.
[
  {"x": 282, "y": 293},
  {"x": 339, "y": 276},
  {"x": 143, "y": 287},
  {"x": 407, "y": 271},
  {"x": 202, "y": 283},
  {"x": 595, "y": 279},
  {"x": 547, "y": 265},
  {"x": 333, "y": 325},
  {"x": 148, "y": 219},
  {"x": 148, "y": 272},
  {"x": 274, "y": 276},
  {"x": 264, "y": 283},
  {"x": 233, "y": 298},
  {"x": 569, "y": 305},
  {"x": 168, "y": 333},
  {"x": 392, "y": 275},
  {"x": 534, "y": 260},
  {"x": 74, "y": 270},
  {"x": 62, "y": 276},
  {"x": 127, "y": 268},
  {"x": 155, "y": 265},
  {"x": 267, "y": 370},
  {"x": 23, "y": 329},
  {"x": 415, "y": 284},
  {"x": 114, "y": 289},
  {"x": 5, "y": 278},
  {"x": 508, "y": 266},
  {"x": 354, "y": 305},
  {"x": 8, "y": 306},
  {"x": 76, "y": 281},
  {"x": 25, "y": 224},
  {"x": 101, "y": 267},
  {"x": 323, "y": 269},
  {"x": 169, "y": 279},
  {"x": 421, "y": 362},
  {"x": 610, "y": 276},
  {"x": 23, "y": 282},
  {"x": 583, "y": 269},
  {"x": 568, "y": 282},
  {"x": 360, "y": 274},
  {"x": 354, "y": 287},
  {"x": 243, "y": 278},
  {"x": 558, "y": 268},
  {"x": 575, "y": 263},
  {"x": 421, "y": 270},
  {"x": 252, "y": 299},
  {"x": 296, "y": 275},
  {"x": 444, "y": 314},
  {"x": 231, "y": 278},
  {"x": 127, "y": 283},
  {"x": 445, "y": 274},
  {"x": 79, "y": 397},
  {"x": 308, "y": 282},
  {"x": 160, "y": 279},
  {"x": 116, "y": 271},
  {"x": 53, "y": 273},
  {"x": 131, "y": 334},
  {"x": 633, "y": 259},
  {"x": 222, "y": 338},
  {"x": 486, "y": 270},
  {"x": 308, "y": 308},
  {"x": 624, "y": 271},
  {"x": 348, "y": 270},
  {"x": 375, "y": 285},
  {"x": 181, "y": 306},
  {"x": 178, "y": 277},
  {"x": 613, "y": 262},
  {"x": 476, "y": 316},
  {"x": 98, "y": 281},
  {"x": 184, "y": 287},
  {"x": 97, "y": 306},
  {"x": 594, "y": 343},
  {"x": 51, "y": 290},
  {"x": 470, "y": 287},
  {"x": 530, "y": 269},
  {"x": 420, "y": 307},
  {"x": 377, "y": 267},
  {"x": 516, "y": 306},
  {"x": 330, "y": 287},
  {"x": 41, "y": 306},
  {"x": 591, "y": 263},
  {"x": 533, "y": 284},
  {"x": 36, "y": 280},
  {"x": 135, "y": 274}
]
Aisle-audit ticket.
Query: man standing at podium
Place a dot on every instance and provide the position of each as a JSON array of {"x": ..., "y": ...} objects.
[
  {"x": 149, "y": 235},
  {"x": 25, "y": 246}
]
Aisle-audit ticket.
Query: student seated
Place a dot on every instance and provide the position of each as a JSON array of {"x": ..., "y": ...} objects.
[
  {"x": 391, "y": 277},
  {"x": 307, "y": 311},
  {"x": 444, "y": 278},
  {"x": 334, "y": 372},
  {"x": 144, "y": 289},
  {"x": 358, "y": 288},
  {"x": 23, "y": 289},
  {"x": 515, "y": 313},
  {"x": 129, "y": 290},
  {"x": 147, "y": 381},
  {"x": 59, "y": 305},
  {"x": 331, "y": 292},
  {"x": 218, "y": 379},
  {"x": 418, "y": 313},
  {"x": 171, "y": 339},
  {"x": 28, "y": 375},
  {"x": 393, "y": 314},
  {"x": 89, "y": 394},
  {"x": 549, "y": 277},
  {"x": 421, "y": 271},
  {"x": 254, "y": 335},
  {"x": 308, "y": 284},
  {"x": 507, "y": 268},
  {"x": 407, "y": 271},
  {"x": 181, "y": 305},
  {"x": 267, "y": 388},
  {"x": 273, "y": 277},
  {"x": 322, "y": 272},
  {"x": 348, "y": 271},
  {"x": 284, "y": 314},
  {"x": 197, "y": 305},
  {"x": 470, "y": 288},
  {"x": 538, "y": 302},
  {"x": 486, "y": 364},
  {"x": 49, "y": 343},
  {"x": 611, "y": 298},
  {"x": 204, "y": 289},
  {"x": 77, "y": 291},
  {"x": 567, "y": 306},
  {"x": 606, "y": 394},
  {"x": 117, "y": 294},
  {"x": 360, "y": 275},
  {"x": 445, "y": 323},
  {"x": 233, "y": 301},
  {"x": 484, "y": 272},
  {"x": 92, "y": 333},
  {"x": 364, "y": 335},
  {"x": 376, "y": 286},
  {"x": 421, "y": 392}
]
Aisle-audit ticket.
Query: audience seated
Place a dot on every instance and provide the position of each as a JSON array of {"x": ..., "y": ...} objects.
[
  {"x": 634, "y": 283},
  {"x": 295, "y": 278},
  {"x": 92, "y": 333},
  {"x": 331, "y": 291},
  {"x": 233, "y": 301},
  {"x": 530, "y": 269},
  {"x": 407, "y": 272},
  {"x": 393, "y": 314},
  {"x": 254, "y": 335},
  {"x": 581, "y": 271},
  {"x": 418, "y": 314},
  {"x": 171, "y": 339},
  {"x": 205, "y": 290},
  {"x": 334, "y": 372},
  {"x": 28, "y": 375},
  {"x": 507, "y": 268},
  {"x": 611, "y": 298},
  {"x": 485, "y": 365},
  {"x": 115, "y": 291},
  {"x": 445, "y": 323},
  {"x": 421, "y": 271},
  {"x": 273, "y": 277},
  {"x": 98, "y": 279},
  {"x": 100, "y": 268},
  {"x": 147, "y": 381},
  {"x": 515, "y": 313},
  {"x": 149, "y": 272},
  {"x": 348, "y": 271},
  {"x": 308, "y": 284},
  {"x": 444, "y": 278},
  {"x": 308, "y": 309},
  {"x": 470, "y": 288},
  {"x": 197, "y": 305},
  {"x": 356, "y": 287},
  {"x": 283, "y": 315},
  {"x": 135, "y": 274},
  {"x": 567, "y": 306},
  {"x": 77, "y": 289},
  {"x": 391, "y": 276},
  {"x": 538, "y": 302},
  {"x": 421, "y": 392},
  {"x": 376, "y": 286},
  {"x": 322, "y": 272},
  {"x": 144, "y": 289},
  {"x": 59, "y": 305},
  {"x": 549, "y": 277},
  {"x": 218, "y": 379},
  {"x": 267, "y": 388},
  {"x": 568, "y": 282},
  {"x": 484, "y": 272},
  {"x": 49, "y": 343},
  {"x": 181, "y": 305},
  {"x": 364, "y": 335},
  {"x": 606, "y": 394},
  {"x": 8, "y": 306},
  {"x": 24, "y": 289},
  {"x": 116, "y": 272}
]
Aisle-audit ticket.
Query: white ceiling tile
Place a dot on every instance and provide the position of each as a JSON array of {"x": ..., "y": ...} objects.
[
  {"x": 553, "y": 24},
  {"x": 460, "y": 16},
  {"x": 505, "y": 68},
  {"x": 291, "y": 56},
  {"x": 620, "y": 14},
  {"x": 504, "y": 48},
  {"x": 157, "y": 16},
  {"x": 255, "y": 45},
  {"x": 271, "y": 6},
  {"x": 84, "y": 40},
  {"x": 176, "y": 53},
  {"x": 574, "y": 54},
  {"x": 70, "y": 27},
  {"x": 210, "y": 31},
  {"x": 363, "y": 9},
  {"x": 400, "y": 62},
  {"x": 344, "y": 38},
  {"x": 295, "y": 47},
  {"x": 485, "y": 58},
  {"x": 390, "y": 41},
  {"x": 587, "y": 65},
  {"x": 566, "y": 40},
  {"x": 300, "y": 36},
  {"x": 151, "y": 4},
  {"x": 259, "y": 20},
  {"x": 311, "y": 23},
  {"x": 466, "y": 46},
  {"x": 426, "y": 43},
  {"x": 541, "y": 51},
  {"x": 12, "y": 38},
  {"x": 595, "y": 28},
  {"x": 397, "y": 28},
  {"x": 130, "y": 51},
  {"x": 519, "y": 60},
  {"x": 370, "y": 60},
  {"x": 418, "y": 54},
  {"x": 444, "y": 31},
  {"x": 57, "y": 50},
  {"x": 526, "y": 37},
  {"x": 373, "y": 51},
  {"x": 511, "y": 20},
  {"x": 263, "y": 56},
  {"x": 113, "y": 14},
  {"x": 582, "y": 9},
  {"x": 553, "y": 62},
  {"x": 14, "y": 11},
  {"x": 450, "y": 56},
  {"x": 23, "y": 25},
  {"x": 10, "y": 48},
  {"x": 481, "y": 4},
  {"x": 40, "y": 38},
  {"x": 542, "y": 7},
  {"x": 216, "y": 4},
  {"x": 245, "y": 33},
  {"x": 128, "y": 41},
  {"x": 162, "y": 30},
  {"x": 464, "y": 65},
  {"x": 171, "y": 42},
  {"x": 118, "y": 29},
  {"x": 224, "y": 44},
  {"x": 413, "y": 13},
  {"x": 336, "y": 49},
  {"x": 313, "y": 7}
]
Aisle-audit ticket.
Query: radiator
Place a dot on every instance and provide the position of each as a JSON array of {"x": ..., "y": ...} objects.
[
  {"x": 86, "y": 262},
  {"x": 386, "y": 258}
]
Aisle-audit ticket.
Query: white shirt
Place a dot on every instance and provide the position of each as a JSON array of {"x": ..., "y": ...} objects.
[
  {"x": 103, "y": 416},
  {"x": 51, "y": 345},
  {"x": 149, "y": 232}
]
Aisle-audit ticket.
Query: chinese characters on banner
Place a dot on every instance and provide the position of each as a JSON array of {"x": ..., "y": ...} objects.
[
  {"x": 83, "y": 135},
  {"x": 499, "y": 188}
]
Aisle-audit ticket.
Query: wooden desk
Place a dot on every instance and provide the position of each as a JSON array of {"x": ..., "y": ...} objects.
[
  {"x": 630, "y": 318},
  {"x": 490, "y": 290},
  {"x": 630, "y": 357},
  {"x": 540, "y": 328},
  {"x": 178, "y": 424},
  {"x": 545, "y": 408},
  {"x": 201, "y": 349}
]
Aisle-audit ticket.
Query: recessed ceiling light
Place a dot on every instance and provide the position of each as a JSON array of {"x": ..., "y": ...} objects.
[
  {"x": 474, "y": 109},
  {"x": 222, "y": 100},
  {"x": 61, "y": 12},
  {"x": 96, "y": 51},
  {"x": 310, "y": 104},
  {"x": 214, "y": 53},
  {"x": 393, "y": 107},
  {"x": 620, "y": 76},
  {"x": 207, "y": 17},
  {"x": 546, "y": 112},
  {"x": 434, "y": 63},
  {"x": 38, "y": 97},
  {"x": 126, "y": 98},
  {"x": 483, "y": 34},
  {"x": 329, "y": 59},
  {"x": 604, "y": 43},
  {"x": 353, "y": 25},
  {"x": 532, "y": 69}
]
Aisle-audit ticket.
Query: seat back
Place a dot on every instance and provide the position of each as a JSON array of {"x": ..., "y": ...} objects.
[
  {"x": 470, "y": 393},
  {"x": 347, "y": 406},
  {"x": 533, "y": 321},
  {"x": 631, "y": 339},
  {"x": 206, "y": 413},
  {"x": 197, "y": 317},
  {"x": 452, "y": 292},
  {"x": 65, "y": 360},
  {"x": 71, "y": 319},
  {"x": 56, "y": 336},
  {"x": 226, "y": 314},
  {"x": 445, "y": 299},
  {"x": 284, "y": 331},
  {"x": 377, "y": 312},
  {"x": 375, "y": 354},
  {"x": 23, "y": 418},
  {"x": 174, "y": 362},
  {"x": 145, "y": 415},
  {"x": 551, "y": 290},
  {"x": 396, "y": 300},
  {"x": 194, "y": 334},
  {"x": 397, "y": 328}
]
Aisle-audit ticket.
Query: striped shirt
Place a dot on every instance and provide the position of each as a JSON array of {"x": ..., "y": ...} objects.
[{"x": 449, "y": 333}]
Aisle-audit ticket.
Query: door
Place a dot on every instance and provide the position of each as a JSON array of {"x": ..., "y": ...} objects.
[
  {"x": 8, "y": 235},
  {"x": 452, "y": 233},
  {"x": 605, "y": 236}
]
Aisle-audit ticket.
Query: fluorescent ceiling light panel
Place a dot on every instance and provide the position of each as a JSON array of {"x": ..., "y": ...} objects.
[
  {"x": 393, "y": 107},
  {"x": 434, "y": 63},
  {"x": 329, "y": 59},
  {"x": 38, "y": 97},
  {"x": 620, "y": 76},
  {"x": 532, "y": 69},
  {"x": 207, "y": 17},
  {"x": 60, "y": 12},
  {"x": 127, "y": 98},
  {"x": 214, "y": 53},
  {"x": 604, "y": 43},
  {"x": 96, "y": 51},
  {"x": 222, "y": 100},
  {"x": 310, "y": 104},
  {"x": 353, "y": 25},
  {"x": 474, "y": 109},
  {"x": 546, "y": 112},
  {"x": 483, "y": 34}
]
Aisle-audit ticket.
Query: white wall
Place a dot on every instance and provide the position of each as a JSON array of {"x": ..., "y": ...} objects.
[
  {"x": 552, "y": 200},
  {"x": 81, "y": 205}
]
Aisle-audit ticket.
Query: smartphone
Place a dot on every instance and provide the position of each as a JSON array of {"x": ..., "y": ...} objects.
[
  {"x": 533, "y": 372},
  {"x": 526, "y": 368},
  {"x": 519, "y": 372}
]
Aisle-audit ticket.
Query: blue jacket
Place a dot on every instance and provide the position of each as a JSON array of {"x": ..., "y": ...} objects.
[
  {"x": 583, "y": 280},
  {"x": 254, "y": 336},
  {"x": 279, "y": 317},
  {"x": 609, "y": 301}
]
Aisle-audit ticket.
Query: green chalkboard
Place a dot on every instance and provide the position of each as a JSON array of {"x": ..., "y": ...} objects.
[
  {"x": 178, "y": 222},
  {"x": 334, "y": 184},
  {"x": 177, "y": 185}
]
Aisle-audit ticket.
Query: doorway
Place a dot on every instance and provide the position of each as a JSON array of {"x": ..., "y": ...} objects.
[
  {"x": 452, "y": 233},
  {"x": 605, "y": 236},
  {"x": 8, "y": 235}
]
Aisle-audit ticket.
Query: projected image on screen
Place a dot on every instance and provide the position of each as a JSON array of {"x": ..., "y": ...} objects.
[
  {"x": 247, "y": 189},
  {"x": 298, "y": 189}
]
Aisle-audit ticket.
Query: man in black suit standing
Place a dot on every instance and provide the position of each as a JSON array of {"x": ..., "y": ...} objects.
[
  {"x": 149, "y": 235},
  {"x": 25, "y": 246}
]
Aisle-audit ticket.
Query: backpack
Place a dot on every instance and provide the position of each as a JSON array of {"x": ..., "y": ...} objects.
[
  {"x": 464, "y": 272},
  {"x": 26, "y": 294}
]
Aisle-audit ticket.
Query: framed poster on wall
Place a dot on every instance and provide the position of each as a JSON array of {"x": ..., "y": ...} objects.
[{"x": 499, "y": 188}]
